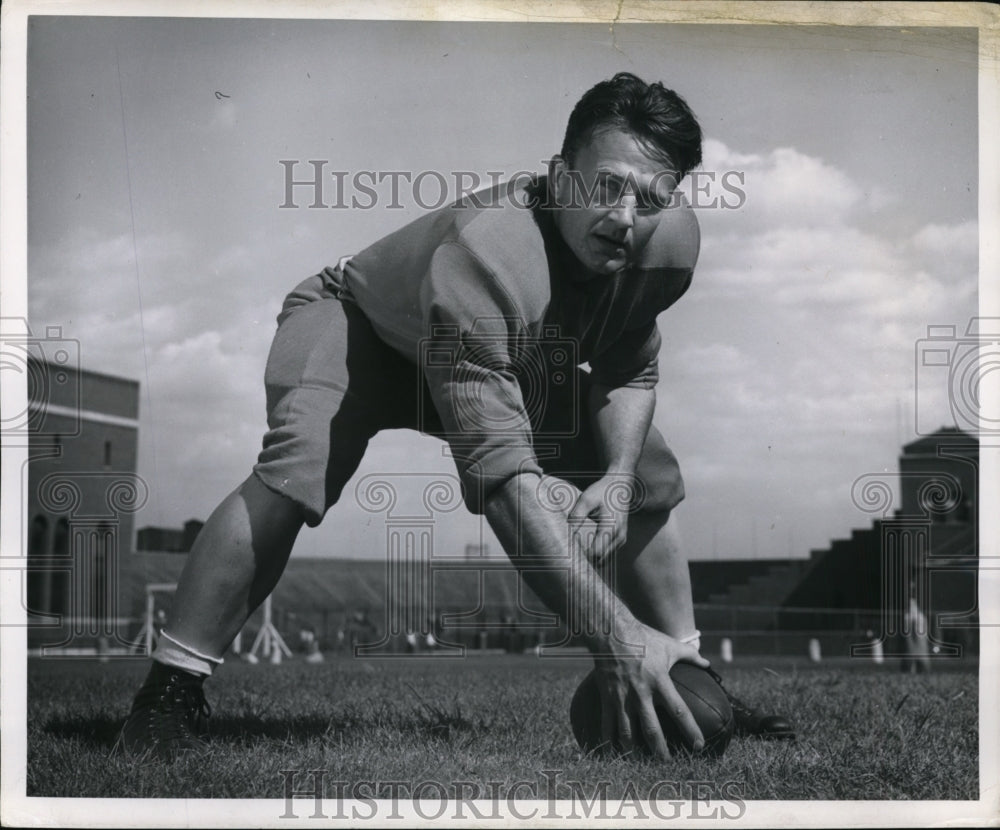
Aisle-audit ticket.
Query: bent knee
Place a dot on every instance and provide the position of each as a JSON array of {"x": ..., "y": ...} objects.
[{"x": 660, "y": 486}]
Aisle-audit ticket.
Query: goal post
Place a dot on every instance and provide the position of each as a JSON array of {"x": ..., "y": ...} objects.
[
  {"x": 269, "y": 641},
  {"x": 148, "y": 631}
]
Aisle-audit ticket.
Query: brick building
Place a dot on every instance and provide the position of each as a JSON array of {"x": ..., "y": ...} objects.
[{"x": 82, "y": 492}]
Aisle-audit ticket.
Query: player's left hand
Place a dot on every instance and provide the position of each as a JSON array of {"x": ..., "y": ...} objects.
[{"x": 606, "y": 502}]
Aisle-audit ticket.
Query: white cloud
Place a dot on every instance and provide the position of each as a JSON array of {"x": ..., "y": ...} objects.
[
  {"x": 712, "y": 359},
  {"x": 801, "y": 189},
  {"x": 783, "y": 187},
  {"x": 953, "y": 240},
  {"x": 202, "y": 421},
  {"x": 788, "y": 369},
  {"x": 87, "y": 250}
]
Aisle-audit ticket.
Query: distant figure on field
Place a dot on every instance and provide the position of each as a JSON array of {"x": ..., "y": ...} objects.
[{"x": 916, "y": 635}]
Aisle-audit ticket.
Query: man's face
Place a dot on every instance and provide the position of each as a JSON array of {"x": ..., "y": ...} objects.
[{"x": 610, "y": 202}]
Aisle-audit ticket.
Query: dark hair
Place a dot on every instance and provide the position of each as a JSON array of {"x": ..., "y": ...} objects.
[{"x": 658, "y": 117}]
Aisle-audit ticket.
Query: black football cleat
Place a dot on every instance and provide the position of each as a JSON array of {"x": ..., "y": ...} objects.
[
  {"x": 752, "y": 723},
  {"x": 168, "y": 716}
]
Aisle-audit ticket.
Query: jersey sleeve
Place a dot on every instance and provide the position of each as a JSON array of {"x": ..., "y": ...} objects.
[{"x": 468, "y": 359}]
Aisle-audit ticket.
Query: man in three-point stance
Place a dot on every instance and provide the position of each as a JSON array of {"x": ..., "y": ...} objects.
[{"x": 437, "y": 327}]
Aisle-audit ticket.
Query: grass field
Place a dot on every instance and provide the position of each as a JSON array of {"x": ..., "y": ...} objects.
[{"x": 865, "y": 732}]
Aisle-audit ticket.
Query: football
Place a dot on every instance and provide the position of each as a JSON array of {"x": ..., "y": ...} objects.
[{"x": 703, "y": 695}]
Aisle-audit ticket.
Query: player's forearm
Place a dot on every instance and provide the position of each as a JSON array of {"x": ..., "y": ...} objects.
[
  {"x": 621, "y": 417},
  {"x": 536, "y": 538}
]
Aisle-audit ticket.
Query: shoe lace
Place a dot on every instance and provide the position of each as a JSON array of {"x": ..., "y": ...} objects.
[
  {"x": 740, "y": 709},
  {"x": 178, "y": 695}
]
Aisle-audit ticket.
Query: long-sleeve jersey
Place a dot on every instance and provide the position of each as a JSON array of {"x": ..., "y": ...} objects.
[{"x": 484, "y": 297}]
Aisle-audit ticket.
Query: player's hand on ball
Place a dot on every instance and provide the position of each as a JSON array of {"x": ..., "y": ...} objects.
[
  {"x": 631, "y": 686},
  {"x": 606, "y": 504}
]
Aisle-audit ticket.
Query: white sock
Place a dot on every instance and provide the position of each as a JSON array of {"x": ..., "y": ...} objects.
[{"x": 173, "y": 652}]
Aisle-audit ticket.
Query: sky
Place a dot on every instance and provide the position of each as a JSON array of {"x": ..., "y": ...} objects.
[{"x": 156, "y": 235}]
